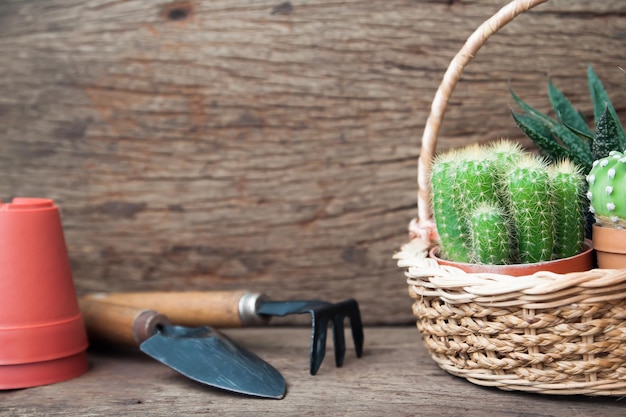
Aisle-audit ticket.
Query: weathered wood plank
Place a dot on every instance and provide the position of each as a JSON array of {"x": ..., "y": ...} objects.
[
  {"x": 262, "y": 144},
  {"x": 395, "y": 377}
]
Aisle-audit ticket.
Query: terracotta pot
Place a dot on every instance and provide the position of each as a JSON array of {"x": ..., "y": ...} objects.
[
  {"x": 610, "y": 246},
  {"x": 584, "y": 261},
  {"x": 42, "y": 336}
]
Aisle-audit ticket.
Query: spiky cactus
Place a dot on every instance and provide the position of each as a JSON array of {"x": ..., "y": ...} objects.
[
  {"x": 451, "y": 227},
  {"x": 461, "y": 180},
  {"x": 505, "y": 153},
  {"x": 474, "y": 182},
  {"x": 490, "y": 234},
  {"x": 568, "y": 190},
  {"x": 532, "y": 209},
  {"x": 485, "y": 198},
  {"x": 607, "y": 192}
]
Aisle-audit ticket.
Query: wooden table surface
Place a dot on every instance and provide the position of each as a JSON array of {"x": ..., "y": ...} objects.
[{"x": 395, "y": 377}]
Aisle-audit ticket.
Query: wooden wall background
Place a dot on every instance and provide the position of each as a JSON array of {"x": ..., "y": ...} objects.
[{"x": 263, "y": 144}]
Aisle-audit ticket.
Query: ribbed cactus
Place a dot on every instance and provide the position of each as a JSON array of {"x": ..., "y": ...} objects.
[
  {"x": 474, "y": 181},
  {"x": 607, "y": 190},
  {"x": 531, "y": 208},
  {"x": 460, "y": 181},
  {"x": 505, "y": 153},
  {"x": 490, "y": 234},
  {"x": 498, "y": 205},
  {"x": 567, "y": 185},
  {"x": 452, "y": 229}
]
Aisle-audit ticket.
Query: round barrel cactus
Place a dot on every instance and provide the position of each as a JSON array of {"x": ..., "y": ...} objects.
[{"x": 607, "y": 190}]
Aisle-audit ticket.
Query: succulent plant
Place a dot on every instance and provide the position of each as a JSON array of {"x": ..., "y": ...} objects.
[
  {"x": 498, "y": 205},
  {"x": 568, "y": 136},
  {"x": 607, "y": 190}
]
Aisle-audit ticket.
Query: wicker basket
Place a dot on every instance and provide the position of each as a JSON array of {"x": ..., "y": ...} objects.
[{"x": 545, "y": 333}]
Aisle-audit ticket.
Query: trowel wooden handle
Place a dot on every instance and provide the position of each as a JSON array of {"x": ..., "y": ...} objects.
[
  {"x": 222, "y": 309},
  {"x": 119, "y": 324}
]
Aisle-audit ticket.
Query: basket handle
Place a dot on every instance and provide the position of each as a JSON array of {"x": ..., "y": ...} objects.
[{"x": 424, "y": 227}]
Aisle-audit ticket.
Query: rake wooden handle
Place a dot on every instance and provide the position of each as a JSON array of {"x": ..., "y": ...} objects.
[
  {"x": 222, "y": 309},
  {"x": 119, "y": 324}
]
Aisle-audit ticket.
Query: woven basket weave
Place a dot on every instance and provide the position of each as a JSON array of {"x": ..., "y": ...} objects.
[{"x": 545, "y": 333}]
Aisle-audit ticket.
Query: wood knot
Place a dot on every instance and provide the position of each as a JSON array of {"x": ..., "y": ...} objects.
[{"x": 177, "y": 11}]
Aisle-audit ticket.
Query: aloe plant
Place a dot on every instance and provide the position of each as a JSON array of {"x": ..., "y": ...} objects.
[
  {"x": 489, "y": 198},
  {"x": 568, "y": 136}
]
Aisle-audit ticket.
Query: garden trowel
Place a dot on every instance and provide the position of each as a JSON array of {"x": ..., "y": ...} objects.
[{"x": 199, "y": 353}]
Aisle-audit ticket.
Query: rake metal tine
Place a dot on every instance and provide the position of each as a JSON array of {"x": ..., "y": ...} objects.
[
  {"x": 318, "y": 342},
  {"x": 354, "y": 314},
  {"x": 339, "y": 339}
]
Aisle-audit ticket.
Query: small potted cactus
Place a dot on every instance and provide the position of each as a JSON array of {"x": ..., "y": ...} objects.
[
  {"x": 500, "y": 209},
  {"x": 607, "y": 198}
]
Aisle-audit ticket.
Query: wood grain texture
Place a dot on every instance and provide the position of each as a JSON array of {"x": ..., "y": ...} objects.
[
  {"x": 262, "y": 144},
  {"x": 395, "y": 377}
]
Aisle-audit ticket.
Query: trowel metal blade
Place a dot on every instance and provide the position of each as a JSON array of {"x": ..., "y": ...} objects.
[{"x": 209, "y": 357}]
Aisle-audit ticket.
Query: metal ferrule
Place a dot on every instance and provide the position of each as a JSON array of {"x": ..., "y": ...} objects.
[
  {"x": 146, "y": 324},
  {"x": 248, "y": 307}
]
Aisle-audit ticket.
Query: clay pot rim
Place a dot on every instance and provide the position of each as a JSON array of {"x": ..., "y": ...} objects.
[{"x": 563, "y": 265}]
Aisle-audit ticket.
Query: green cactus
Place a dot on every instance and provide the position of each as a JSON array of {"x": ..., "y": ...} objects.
[
  {"x": 568, "y": 136},
  {"x": 475, "y": 171},
  {"x": 505, "y": 153},
  {"x": 447, "y": 210},
  {"x": 490, "y": 197},
  {"x": 567, "y": 185},
  {"x": 531, "y": 208},
  {"x": 606, "y": 181},
  {"x": 490, "y": 234}
]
